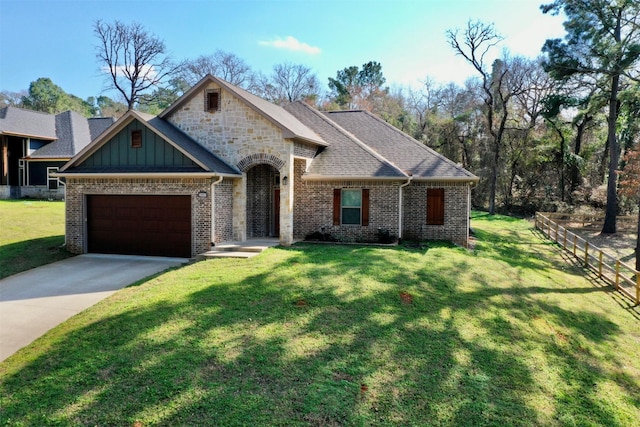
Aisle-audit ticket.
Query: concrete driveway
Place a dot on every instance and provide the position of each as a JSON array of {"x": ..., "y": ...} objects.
[{"x": 35, "y": 301}]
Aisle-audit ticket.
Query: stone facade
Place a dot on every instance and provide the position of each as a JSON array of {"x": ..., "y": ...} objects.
[
  {"x": 37, "y": 192},
  {"x": 456, "y": 213},
  {"x": 78, "y": 188},
  {"x": 244, "y": 138}
]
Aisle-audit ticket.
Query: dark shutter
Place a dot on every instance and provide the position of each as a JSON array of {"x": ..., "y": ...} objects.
[
  {"x": 136, "y": 138},
  {"x": 435, "y": 206},
  {"x": 336, "y": 205},
  {"x": 365, "y": 207},
  {"x": 212, "y": 101}
]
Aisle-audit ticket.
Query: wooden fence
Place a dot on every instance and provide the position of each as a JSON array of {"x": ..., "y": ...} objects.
[
  {"x": 622, "y": 276},
  {"x": 591, "y": 221}
]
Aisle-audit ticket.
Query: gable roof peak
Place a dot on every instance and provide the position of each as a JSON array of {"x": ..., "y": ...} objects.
[{"x": 290, "y": 126}]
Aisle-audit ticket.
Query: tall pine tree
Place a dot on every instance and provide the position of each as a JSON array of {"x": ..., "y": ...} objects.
[{"x": 603, "y": 41}]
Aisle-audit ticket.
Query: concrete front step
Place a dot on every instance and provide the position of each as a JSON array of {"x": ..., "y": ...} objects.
[
  {"x": 245, "y": 249},
  {"x": 227, "y": 254}
]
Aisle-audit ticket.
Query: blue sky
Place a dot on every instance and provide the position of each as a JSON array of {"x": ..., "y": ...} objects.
[{"x": 54, "y": 38}]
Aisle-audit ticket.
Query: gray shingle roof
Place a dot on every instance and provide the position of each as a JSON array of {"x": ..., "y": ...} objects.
[
  {"x": 73, "y": 135},
  {"x": 346, "y": 156},
  {"x": 209, "y": 161},
  {"x": 16, "y": 121},
  {"x": 69, "y": 132},
  {"x": 97, "y": 125},
  {"x": 399, "y": 148},
  {"x": 213, "y": 162}
]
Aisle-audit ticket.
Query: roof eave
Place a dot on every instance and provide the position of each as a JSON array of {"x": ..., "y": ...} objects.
[
  {"x": 26, "y": 135},
  {"x": 471, "y": 179},
  {"x": 143, "y": 175},
  {"x": 314, "y": 177},
  {"x": 305, "y": 140}
]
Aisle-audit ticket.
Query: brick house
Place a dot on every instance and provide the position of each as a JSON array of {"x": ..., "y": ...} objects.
[{"x": 221, "y": 164}]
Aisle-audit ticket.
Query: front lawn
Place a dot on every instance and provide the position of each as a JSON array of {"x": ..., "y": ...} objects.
[
  {"x": 318, "y": 335},
  {"x": 31, "y": 234}
]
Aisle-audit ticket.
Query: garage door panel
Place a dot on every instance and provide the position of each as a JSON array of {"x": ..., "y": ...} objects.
[{"x": 139, "y": 225}]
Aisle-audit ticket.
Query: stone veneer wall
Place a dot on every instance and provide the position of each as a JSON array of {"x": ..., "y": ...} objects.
[
  {"x": 239, "y": 135},
  {"x": 313, "y": 208},
  {"x": 234, "y": 132},
  {"x": 41, "y": 192},
  {"x": 456, "y": 213},
  {"x": 77, "y": 188},
  {"x": 223, "y": 211}
]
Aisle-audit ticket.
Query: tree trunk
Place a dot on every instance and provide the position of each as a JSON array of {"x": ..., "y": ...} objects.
[
  {"x": 576, "y": 179},
  {"x": 494, "y": 181},
  {"x": 611, "y": 211},
  {"x": 638, "y": 241}
]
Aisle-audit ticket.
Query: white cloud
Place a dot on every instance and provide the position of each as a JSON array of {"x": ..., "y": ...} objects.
[{"x": 291, "y": 43}]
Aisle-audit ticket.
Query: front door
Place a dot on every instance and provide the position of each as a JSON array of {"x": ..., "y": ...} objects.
[{"x": 276, "y": 212}]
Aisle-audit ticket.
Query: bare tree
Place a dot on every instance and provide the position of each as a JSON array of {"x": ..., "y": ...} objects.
[
  {"x": 225, "y": 65},
  {"x": 14, "y": 99},
  {"x": 498, "y": 87},
  {"x": 288, "y": 83},
  {"x": 135, "y": 59}
]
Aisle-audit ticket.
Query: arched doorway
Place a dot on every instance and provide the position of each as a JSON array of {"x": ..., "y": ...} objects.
[{"x": 263, "y": 201}]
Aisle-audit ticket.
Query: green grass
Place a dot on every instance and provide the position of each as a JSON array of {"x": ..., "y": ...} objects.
[
  {"x": 508, "y": 335},
  {"x": 31, "y": 234}
]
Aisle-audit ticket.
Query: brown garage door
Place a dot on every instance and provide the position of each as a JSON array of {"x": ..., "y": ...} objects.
[{"x": 139, "y": 225}]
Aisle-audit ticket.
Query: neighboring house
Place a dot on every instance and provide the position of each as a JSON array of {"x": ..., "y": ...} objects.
[
  {"x": 221, "y": 164},
  {"x": 34, "y": 145}
]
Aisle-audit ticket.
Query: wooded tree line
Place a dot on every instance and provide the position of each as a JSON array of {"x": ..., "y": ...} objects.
[{"x": 542, "y": 133}]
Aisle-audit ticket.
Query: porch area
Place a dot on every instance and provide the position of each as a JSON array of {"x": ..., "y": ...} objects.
[{"x": 246, "y": 249}]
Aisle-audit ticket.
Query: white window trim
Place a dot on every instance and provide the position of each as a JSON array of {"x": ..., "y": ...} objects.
[
  {"x": 350, "y": 207},
  {"x": 50, "y": 179}
]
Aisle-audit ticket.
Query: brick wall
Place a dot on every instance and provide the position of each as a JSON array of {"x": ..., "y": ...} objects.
[
  {"x": 456, "y": 213},
  {"x": 223, "y": 211},
  {"x": 313, "y": 208},
  {"x": 77, "y": 188}
]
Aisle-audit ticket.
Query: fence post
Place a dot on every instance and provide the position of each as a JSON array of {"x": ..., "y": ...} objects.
[
  {"x": 556, "y": 232},
  {"x": 600, "y": 265},
  {"x": 637, "y": 287},
  {"x": 617, "y": 274},
  {"x": 575, "y": 244},
  {"x": 564, "y": 241},
  {"x": 586, "y": 253}
]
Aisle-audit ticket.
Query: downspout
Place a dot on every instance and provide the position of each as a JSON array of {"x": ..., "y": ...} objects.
[
  {"x": 400, "y": 207},
  {"x": 213, "y": 216}
]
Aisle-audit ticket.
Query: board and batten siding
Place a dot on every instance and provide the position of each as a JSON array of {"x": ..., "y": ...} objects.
[{"x": 154, "y": 152}]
